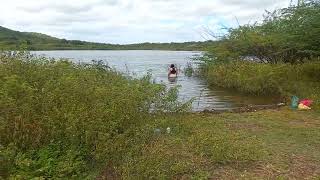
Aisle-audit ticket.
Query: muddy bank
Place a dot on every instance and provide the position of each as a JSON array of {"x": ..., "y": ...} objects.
[{"x": 247, "y": 108}]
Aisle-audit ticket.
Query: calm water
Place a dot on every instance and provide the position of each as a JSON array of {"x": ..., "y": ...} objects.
[{"x": 139, "y": 63}]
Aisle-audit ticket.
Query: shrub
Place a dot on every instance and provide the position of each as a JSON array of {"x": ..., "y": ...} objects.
[
  {"x": 285, "y": 35},
  {"x": 76, "y": 108}
]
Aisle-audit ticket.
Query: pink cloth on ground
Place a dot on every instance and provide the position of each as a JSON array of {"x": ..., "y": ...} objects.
[{"x": 306, "y": 102}]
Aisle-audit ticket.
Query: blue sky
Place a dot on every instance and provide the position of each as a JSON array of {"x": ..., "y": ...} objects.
[{"x": 132, "y": 21}]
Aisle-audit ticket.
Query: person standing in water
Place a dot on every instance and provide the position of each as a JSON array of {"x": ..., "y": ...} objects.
[{"x": 173, "y": 73}]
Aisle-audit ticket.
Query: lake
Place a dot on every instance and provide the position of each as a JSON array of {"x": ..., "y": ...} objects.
[{"x": 139, "y": 62}]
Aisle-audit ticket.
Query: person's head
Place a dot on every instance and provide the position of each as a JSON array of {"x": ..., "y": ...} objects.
[{"x": 172, "y": 65}]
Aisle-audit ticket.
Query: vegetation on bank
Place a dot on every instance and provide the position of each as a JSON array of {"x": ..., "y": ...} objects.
[
  {"x": 272, "y": 144},
  {"x": 84, "y": 121},
  {"x": 65, "y": 120},
  {"x": 282, "y": 80},
  {"x": 288, "y": 35},
  {"x": 60, "y": 119},
  {"x": 278, "y": 56},
  {"x": 15, "y": 40}
]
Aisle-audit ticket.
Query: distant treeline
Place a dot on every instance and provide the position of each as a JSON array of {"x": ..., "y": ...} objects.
[{"x": 15, "y": 40}]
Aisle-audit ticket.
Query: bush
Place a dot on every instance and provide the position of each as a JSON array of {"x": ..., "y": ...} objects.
[
  {"x": 278, "y": 56},
  {"x": 50, "y": 161},
  {"x": 76, "y": 108},
  {"x": 286, "y": 35}
]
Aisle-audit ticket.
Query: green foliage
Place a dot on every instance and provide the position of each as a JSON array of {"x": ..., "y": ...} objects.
[
  {"x": 225, "y": 147},
  {"x": 279, "y": 56},
  {"x": 52, "y": 161},
  {"x": 230, "y": 146},
  {"x": 168, "y": 102},
  {"x": 59, "y": 116},
  {"x": 277, "y": 79},
  {"x": 288, "y": 35},
  {"x": 15, "y": 40},
  {"x": 188, "y": 70},
  {"x": 192, "y": 149}
]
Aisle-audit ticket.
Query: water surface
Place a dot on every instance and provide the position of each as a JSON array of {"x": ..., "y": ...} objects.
[{"x": 139, "y": 62}]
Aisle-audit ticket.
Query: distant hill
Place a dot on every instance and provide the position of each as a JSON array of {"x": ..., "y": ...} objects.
[{"x": 15, "y": 40}]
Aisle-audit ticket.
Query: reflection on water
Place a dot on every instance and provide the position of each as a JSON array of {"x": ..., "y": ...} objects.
[
  {"x": 172, "y": 80},
  {"x": 139, "y": 63}
]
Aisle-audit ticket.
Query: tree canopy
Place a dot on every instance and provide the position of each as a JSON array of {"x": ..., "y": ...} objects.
[{"x": 289, "y": 35}]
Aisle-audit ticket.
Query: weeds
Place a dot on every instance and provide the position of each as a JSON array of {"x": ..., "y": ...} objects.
[
  {"x": 70, "y": 114},
  {"x": 261, "y": 79},
  {"x": 188, "y": 70},
  {"x": 193, "y": 148}
]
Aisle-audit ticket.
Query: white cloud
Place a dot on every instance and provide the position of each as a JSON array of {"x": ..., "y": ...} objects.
[{"x": 129, "y": 21}]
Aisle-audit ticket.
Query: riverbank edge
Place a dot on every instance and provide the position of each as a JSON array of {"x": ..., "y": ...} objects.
[
  {"x": 271, "y": 143},
  {"x": 283, "y": 80}
]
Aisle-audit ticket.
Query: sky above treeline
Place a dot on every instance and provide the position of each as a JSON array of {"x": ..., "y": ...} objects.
[{"x": 132, "y": 21}]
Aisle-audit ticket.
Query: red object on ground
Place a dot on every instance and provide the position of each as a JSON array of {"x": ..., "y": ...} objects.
[{"x": 306, "y": 102}]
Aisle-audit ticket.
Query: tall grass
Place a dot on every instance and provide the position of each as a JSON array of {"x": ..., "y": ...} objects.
[
  {"x": 59, "y": 119},
  {"x": 267, "y": 79},
  {"x": 189, "y": 69}
]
